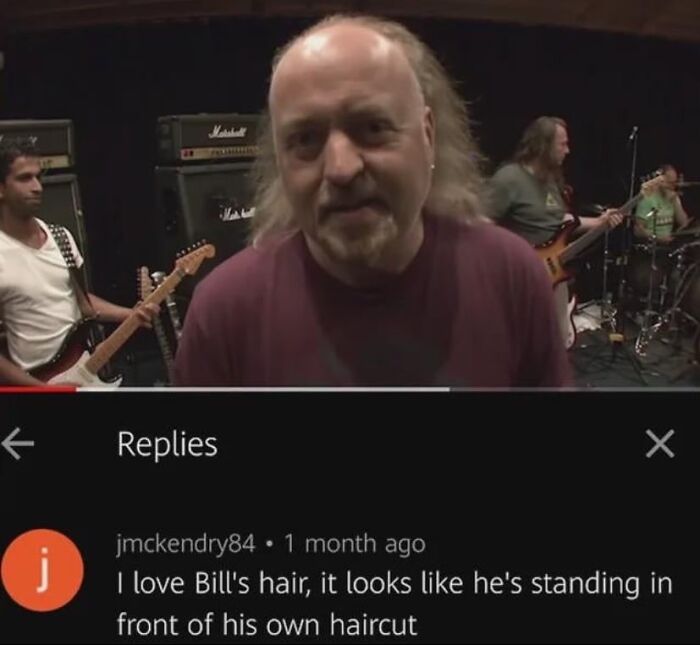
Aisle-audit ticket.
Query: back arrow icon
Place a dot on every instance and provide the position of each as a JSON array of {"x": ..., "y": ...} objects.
[{"x": 9, "y": 445}]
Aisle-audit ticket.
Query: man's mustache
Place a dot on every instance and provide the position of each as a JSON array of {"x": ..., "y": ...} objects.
[{"x": 347, "y": 203}]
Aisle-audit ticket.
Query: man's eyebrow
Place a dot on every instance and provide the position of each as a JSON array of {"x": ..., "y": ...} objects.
[
  {"x": 361, "y": 110},
  {"x": 367, "y": 106},
  {"x": 30, "y": 173},
  {"x": 299, "y": 123}
]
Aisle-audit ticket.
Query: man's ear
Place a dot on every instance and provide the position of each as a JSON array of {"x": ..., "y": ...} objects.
[{"x": 429, "y": 129}]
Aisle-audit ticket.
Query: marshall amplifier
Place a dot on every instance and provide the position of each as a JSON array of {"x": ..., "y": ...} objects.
[
  {"x": 53, "y": 139},
  {"x": 207, "y": 137},
  {"x": 61, "y": 204},
  {"x": 202, "y": 202}
]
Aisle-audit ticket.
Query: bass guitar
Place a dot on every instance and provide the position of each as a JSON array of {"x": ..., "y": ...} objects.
[
  {"x": 74, "y": 362},
  {"x": 558, "y": 252}
]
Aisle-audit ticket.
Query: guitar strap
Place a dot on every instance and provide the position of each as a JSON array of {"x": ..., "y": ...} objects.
[{"x": 77, "y": 276}]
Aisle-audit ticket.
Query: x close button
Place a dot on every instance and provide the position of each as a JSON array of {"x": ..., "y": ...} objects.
[{"x": 660, "y": 444}]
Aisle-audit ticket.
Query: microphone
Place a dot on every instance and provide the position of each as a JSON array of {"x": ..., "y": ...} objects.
[{"x": 633, "y": 134}]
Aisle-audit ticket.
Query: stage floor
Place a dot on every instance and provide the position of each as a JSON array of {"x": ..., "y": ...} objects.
[{"x": 599, "y": 363}]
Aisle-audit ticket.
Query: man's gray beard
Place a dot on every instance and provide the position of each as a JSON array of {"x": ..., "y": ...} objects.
[{"x": 362, "y": 251}]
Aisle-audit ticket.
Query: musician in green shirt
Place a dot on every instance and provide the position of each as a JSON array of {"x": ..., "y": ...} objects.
[{"x": 661, "y": 212}]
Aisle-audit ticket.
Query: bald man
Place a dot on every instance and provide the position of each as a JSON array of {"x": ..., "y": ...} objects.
[{"x": 371, "y": 263}]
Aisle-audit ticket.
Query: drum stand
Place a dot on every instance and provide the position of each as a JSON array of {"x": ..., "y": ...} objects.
[
  {"x": 607, "y": 312},
  {"x": 669, "y": 317},
  {"x": 648, "y": 330}
]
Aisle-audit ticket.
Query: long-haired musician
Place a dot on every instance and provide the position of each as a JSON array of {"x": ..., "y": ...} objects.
[
  {"x": 371, "y": 262},
  {"x": 527, "y": 193}
]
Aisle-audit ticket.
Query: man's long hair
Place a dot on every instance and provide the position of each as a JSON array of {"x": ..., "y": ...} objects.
[
  {"x": 10, "y": 149},
  {"x": 457, "y": 182},
  {"x": 536, "y": 145}
]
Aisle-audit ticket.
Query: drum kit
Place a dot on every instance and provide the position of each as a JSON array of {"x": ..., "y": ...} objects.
[
  {"x": 665, "y": 278},
  {"x": 659, "y": 287}
]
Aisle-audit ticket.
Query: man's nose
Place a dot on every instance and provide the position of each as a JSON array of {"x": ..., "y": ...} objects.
[
  {"x": 343, "y": 161},
  {"x": 36, "y": 185}
]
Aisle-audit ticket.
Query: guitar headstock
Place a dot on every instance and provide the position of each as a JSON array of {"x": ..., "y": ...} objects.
[
  {"x": 190, "y": 260},
  {"x": 652, "y": 182}
]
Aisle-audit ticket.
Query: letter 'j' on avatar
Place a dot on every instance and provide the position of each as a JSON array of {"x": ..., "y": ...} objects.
[{"x": 42, "y": 570}]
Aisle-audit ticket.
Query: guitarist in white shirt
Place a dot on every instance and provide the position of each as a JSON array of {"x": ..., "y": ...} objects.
[
  {"x": 527, "y": 195},
  {"x": 38, "y": 303}
]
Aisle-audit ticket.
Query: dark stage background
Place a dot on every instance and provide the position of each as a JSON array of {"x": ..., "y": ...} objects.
[{"x": 114, "y": 82}]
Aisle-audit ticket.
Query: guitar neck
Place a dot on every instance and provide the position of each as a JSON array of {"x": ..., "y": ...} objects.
[
  {"x": 573, "y": 249},
  {"x": 578, "y": 245},
  {"x": 105, "y": 350}
]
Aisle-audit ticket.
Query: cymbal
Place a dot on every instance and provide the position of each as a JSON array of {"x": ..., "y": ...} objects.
[{"x": 687, "y": 232}]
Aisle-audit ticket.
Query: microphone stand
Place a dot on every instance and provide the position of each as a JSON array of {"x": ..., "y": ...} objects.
[
  {"x": 616, "y": 318},
  {"x": 171, "y": 306},
  {"x": 627, "y": 235},
  {"x": 617, "y": 336}
]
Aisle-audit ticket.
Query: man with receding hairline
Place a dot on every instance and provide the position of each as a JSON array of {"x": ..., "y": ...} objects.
[
  {"x": 370, "y": 261},
  {"x": 333, "y": 89}
]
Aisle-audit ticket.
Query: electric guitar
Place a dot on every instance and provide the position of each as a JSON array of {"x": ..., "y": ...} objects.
[
  {"x": 145, "y": 290},
  {"x": 74, "y": 363},
  {"x": 557, "y": 252}
]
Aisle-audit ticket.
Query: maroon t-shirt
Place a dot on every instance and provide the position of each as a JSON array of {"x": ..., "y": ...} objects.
[{"x": 473, "y": 309}]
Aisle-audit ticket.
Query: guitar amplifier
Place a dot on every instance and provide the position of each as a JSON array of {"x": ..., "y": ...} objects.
[
  {"x": 207, "y": 137},
  {"x": 62, "y": 204},
  {"x": 53, "y": 138},
  {"x": 212, "y": 202}
]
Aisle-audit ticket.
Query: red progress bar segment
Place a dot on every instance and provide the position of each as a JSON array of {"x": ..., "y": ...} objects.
[{"x": 19, "y": 389}]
